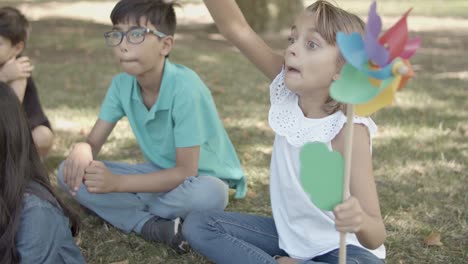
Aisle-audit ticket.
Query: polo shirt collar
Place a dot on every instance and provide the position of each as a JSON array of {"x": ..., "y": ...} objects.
[{"x": 166, "y": 91}]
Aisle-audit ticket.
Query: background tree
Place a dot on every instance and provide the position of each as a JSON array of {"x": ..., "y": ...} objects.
[{"x": 266, "y": 15}]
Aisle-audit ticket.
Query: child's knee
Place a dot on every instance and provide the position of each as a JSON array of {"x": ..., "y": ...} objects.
[
  {"x": 43, "y": 139},
  {"x": 212, "y": 193},
  {"x": 195, "y": 223}
]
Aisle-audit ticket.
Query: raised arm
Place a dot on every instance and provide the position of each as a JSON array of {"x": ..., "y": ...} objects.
[{"x": 232, "y": 24}]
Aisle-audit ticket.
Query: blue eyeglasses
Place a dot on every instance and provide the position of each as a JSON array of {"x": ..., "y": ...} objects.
[{"x": 134, "y": 36}]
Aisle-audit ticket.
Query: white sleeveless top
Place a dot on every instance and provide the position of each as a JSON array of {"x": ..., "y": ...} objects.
[{"x": 304, "y": 230}]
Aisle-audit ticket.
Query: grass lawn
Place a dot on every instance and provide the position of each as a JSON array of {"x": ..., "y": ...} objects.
[{"x": 420, "y": 152}]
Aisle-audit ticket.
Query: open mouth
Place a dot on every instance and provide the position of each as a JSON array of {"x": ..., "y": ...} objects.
[{"x": 290, "y": 69}]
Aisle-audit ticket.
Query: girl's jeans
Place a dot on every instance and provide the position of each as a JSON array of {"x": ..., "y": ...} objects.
[{"x": 225, "y": 237}]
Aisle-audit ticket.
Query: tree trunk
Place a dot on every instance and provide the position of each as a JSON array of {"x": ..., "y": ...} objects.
[{"x": 270, "y": 15}]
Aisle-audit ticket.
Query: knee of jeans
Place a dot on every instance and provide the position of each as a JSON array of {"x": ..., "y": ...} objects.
[
  {"x": 211, "y": 193},
  {"x": 195, "y": 224}
]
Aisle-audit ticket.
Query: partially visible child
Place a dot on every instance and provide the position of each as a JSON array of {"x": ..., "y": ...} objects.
[
  {"x": 35, "y": 226},
  {"x": 16, "y": 69},
  {"x": 301, "y": 111},
  {"x": 191, "y": 163}
]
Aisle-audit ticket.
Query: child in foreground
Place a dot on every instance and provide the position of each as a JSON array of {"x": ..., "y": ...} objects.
[{"x": 35, "y": 226}]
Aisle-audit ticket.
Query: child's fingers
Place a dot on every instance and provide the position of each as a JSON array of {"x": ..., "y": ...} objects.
[
  {"x": 65, "y": 172},
  {"x": 350, "y": 221},
  {"x": 348, "y": 228},
  {"x": 93, "y": 169},
  {"x": 30, "y": 68},
  {"x": 94, "y": 190},
  {"x": 22, "y": 59},
  {"x": 93, "y": 186},
  {"x": 27, "y": 69},
  {"x": 97, "y": 164},
  {"x": 347, "y": 205},
  {"x": 78, "y": 180},
  {"x": 69, "y": 171},
  {"x": 345, "y": 214},
  {"x": 78, "y": 173}
]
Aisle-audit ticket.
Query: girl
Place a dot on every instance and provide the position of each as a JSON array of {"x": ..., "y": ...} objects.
[
  {"x": 301, "y": 111},
  {"x": 34, "y": 223}
]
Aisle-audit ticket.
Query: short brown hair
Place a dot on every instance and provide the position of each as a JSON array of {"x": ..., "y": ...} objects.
[
  {"x": 160, "y": 13},
  {"x": 329, "y": 20},
  {"x": 13, "y": 25}
]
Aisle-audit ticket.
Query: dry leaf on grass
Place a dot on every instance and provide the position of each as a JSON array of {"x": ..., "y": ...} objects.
[{"x": 433, "y": 239}]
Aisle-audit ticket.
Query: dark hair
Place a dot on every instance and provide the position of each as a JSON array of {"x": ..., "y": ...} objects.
[
  {"x": 13, "y": 25},
  {"x": 19, "y": 166},
  {"x": 160, "y": 13}
]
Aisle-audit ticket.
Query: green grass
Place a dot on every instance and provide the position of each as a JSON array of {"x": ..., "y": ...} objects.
[{"x": 420, "y": 153}]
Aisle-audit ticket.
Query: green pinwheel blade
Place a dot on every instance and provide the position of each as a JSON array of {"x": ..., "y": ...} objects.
[{"x": 354, "y": 87}]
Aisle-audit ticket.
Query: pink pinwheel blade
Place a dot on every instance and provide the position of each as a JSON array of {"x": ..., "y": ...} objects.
[
  {"x": 410, "y": 48},
  {"x": 376, "y": 52},
  {"x": 395, "y": 38}
]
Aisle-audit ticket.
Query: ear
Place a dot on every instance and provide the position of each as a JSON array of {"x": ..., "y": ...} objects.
[
  {"x": 167, "y": 44},
  {"x": 18, "y": 48}
]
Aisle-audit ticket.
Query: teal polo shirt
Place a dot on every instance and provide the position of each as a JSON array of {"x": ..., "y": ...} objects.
[{"x": 184, "y": 115}]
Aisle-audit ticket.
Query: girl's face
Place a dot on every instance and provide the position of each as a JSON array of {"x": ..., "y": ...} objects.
[{"x": 311, "y": 63}]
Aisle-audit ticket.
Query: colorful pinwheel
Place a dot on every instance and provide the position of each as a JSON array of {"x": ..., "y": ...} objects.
[{"x": 373, "y": 72}]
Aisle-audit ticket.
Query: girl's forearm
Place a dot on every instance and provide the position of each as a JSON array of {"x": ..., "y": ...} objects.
[{"x": 372, "y": 234}]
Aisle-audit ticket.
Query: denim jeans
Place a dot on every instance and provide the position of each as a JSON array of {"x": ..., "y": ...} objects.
[
  {"x": 130, "y": 211},
  {"x": 225, "y": 237},
  {"x": 44, "y": 234}
]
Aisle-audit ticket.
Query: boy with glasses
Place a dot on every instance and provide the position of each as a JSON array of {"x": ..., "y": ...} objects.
[{"x": 191, "y": 161}]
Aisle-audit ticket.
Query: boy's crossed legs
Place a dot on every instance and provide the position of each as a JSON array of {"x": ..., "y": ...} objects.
[{"x": 151, "y": 215}]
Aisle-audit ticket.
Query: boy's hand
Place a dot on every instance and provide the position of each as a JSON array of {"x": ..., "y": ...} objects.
[
  {"x": 14, "y": 69},
  {"x": 74, "y": 166},
  {"x": 349, "y": 216},
  {"x": 99, "y": 179}
]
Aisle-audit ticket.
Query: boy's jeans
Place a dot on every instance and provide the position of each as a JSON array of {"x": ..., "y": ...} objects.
[
  {"x": 130, "y": 211},
  {"x": 226, "y": 237}
]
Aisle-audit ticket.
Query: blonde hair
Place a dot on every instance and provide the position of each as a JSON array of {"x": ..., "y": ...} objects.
[{"x": 329, "y": 20}]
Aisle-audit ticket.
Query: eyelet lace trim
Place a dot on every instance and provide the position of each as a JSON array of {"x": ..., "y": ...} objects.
[{"x": 286, "y": 118}]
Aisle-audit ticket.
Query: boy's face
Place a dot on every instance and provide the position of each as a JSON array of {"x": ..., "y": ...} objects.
[
  {"x": 138, "y": 59},
  {"x": 311, "y": 63},
  {"x": 8, "y": 51}
]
